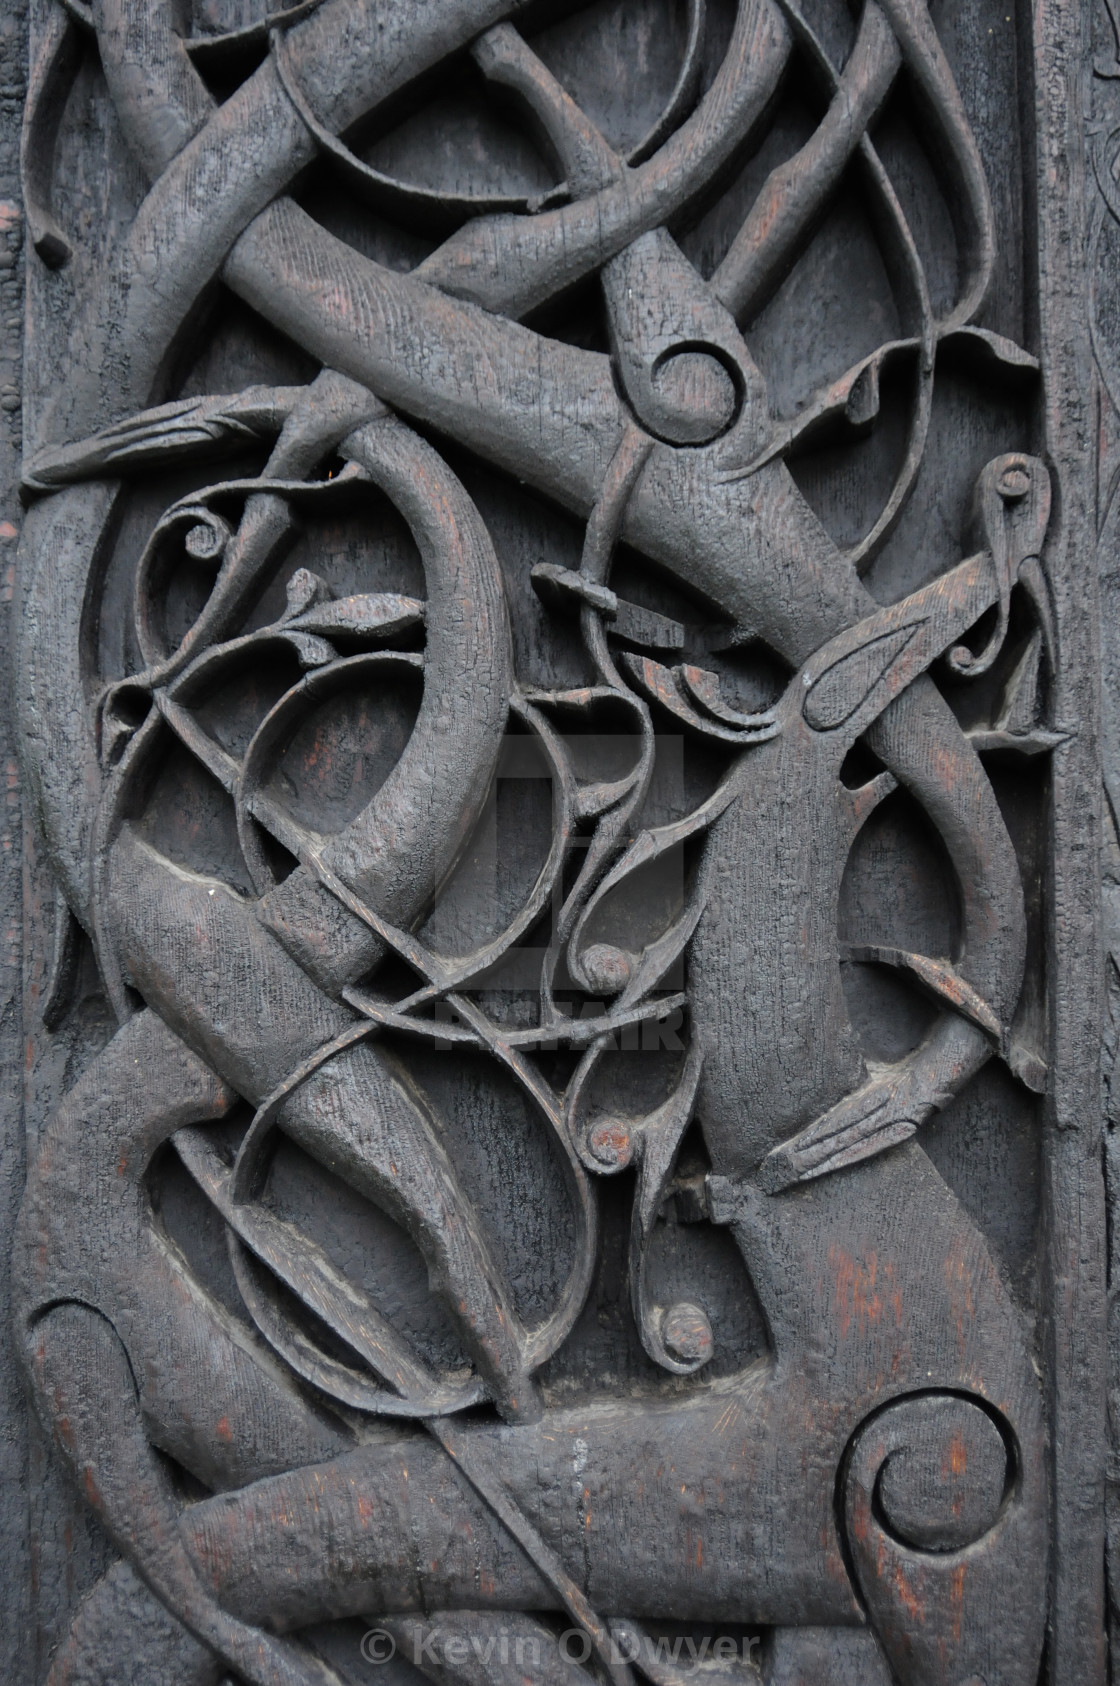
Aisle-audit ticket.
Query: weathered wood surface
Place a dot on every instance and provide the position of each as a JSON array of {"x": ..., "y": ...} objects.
[{"x": 558, "y": 682}]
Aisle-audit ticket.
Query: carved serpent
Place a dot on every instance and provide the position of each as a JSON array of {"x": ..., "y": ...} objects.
[{"x": 749, "y": 543}]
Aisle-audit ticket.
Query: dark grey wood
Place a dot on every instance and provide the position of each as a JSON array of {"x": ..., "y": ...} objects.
[
  {"x": 563, "y": 707},
  {"x": 16, "y": 1643}
]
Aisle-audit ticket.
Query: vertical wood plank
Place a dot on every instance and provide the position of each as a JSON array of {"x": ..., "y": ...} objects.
[{"x": 1073, "y": 1214}]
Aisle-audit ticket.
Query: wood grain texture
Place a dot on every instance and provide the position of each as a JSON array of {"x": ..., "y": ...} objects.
[{"x": 560, "y": 671}]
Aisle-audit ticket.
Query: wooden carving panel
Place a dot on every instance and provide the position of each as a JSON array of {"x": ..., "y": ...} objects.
[{"x": 555, "y": 679}]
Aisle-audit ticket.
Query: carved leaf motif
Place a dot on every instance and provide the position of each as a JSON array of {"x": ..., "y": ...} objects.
[{"x": 845, "y": 686}]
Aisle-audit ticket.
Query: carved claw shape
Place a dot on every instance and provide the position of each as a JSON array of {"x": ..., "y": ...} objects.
[
  {"x": 675, "y": 689},
  {"x": 879, "y": 1115}
]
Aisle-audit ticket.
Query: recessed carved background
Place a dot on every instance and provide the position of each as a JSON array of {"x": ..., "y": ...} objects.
[{"x": 551, "y": 689}]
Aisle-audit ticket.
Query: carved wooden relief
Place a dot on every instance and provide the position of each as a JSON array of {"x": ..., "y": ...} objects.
[{"x": 555, "y": 673}]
